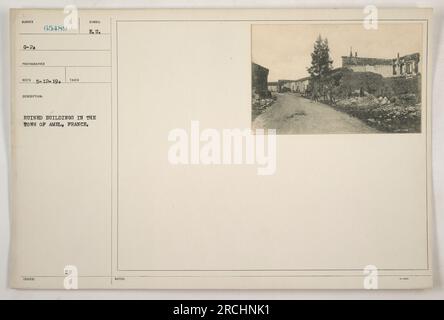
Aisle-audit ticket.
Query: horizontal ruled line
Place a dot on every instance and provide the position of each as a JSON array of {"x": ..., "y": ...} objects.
[
  {"x": 68, "y": 82},
  {"x": 65, "y": 50},
  {"x": 65, "y": 34},
  {"x": 37, "y": 66}
]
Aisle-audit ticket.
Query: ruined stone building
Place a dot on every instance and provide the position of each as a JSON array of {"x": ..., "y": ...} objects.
[
  {"x": 406, "y": 65},
  {"x": 399, "y": 66},
  {"x": 259, "y": 80},
  {"x": 384, "y": 67},
  {"x": 300, "y": 85},
  {"x": 284, "y": 85},
  {"x": 273, "y": 86}
]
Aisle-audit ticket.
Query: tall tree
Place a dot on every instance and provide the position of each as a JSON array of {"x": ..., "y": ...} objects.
[{"x": 321, "y": 64}]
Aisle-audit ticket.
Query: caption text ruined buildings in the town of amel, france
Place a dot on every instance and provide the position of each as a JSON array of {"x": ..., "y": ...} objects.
[{"x": 400, "y": 66}]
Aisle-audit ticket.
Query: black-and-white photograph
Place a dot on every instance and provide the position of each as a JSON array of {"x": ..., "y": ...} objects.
[{"x": 337, "y": 78}]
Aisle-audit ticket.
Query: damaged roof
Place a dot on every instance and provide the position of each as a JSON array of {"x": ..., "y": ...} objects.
[{"x": 360, "y": 61}]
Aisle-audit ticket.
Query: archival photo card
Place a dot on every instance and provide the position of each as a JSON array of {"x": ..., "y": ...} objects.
[{"x": 144, "y": 153}]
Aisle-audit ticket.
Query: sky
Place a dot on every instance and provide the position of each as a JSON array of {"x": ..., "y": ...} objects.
[{"x": 285, "y": 49}]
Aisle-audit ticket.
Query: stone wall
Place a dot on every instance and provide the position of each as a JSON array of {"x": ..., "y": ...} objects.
[{"x": 259, "y": 80}]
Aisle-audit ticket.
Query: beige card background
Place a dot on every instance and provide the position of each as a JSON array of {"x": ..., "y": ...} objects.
[{"x": 105, "y": 198}]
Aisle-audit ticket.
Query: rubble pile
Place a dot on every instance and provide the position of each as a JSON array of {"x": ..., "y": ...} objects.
[
  {"x": 259, "y": 105},
  {"x": 397, "y": 114}
]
